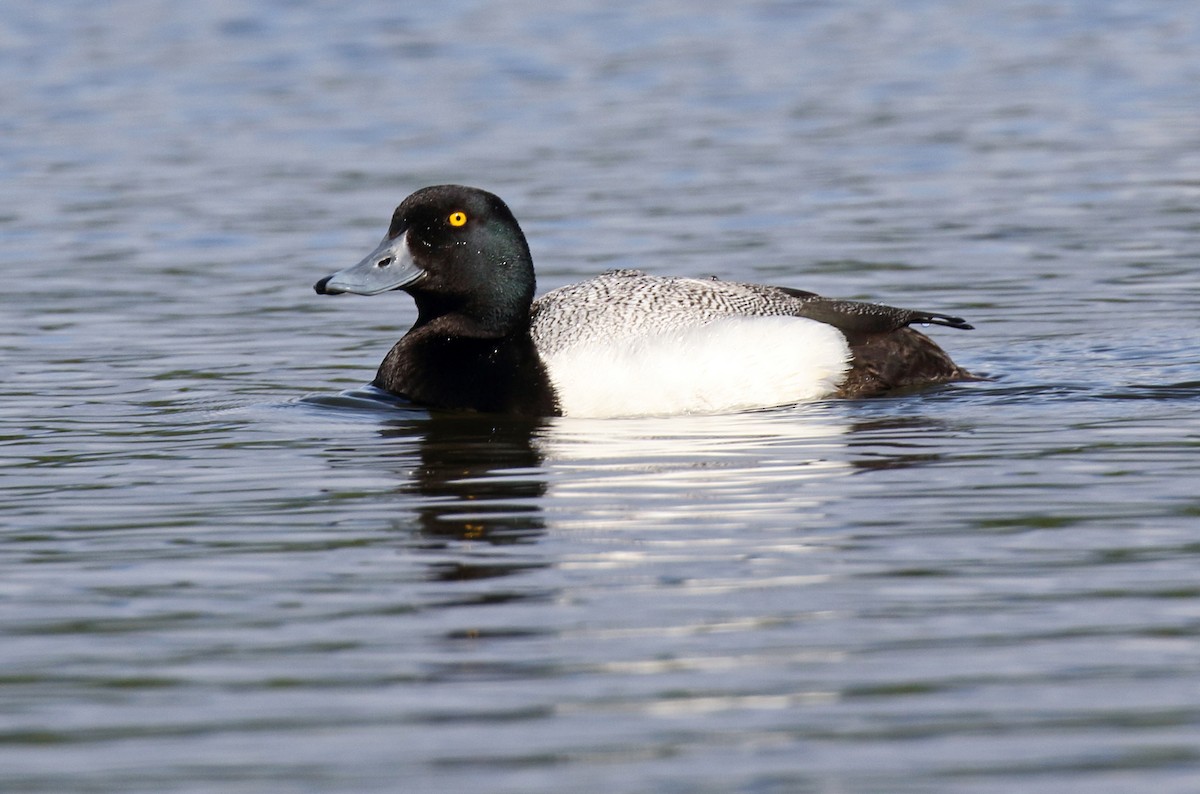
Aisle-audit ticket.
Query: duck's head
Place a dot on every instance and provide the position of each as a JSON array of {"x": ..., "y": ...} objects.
[{"x": 455, "y": 249}]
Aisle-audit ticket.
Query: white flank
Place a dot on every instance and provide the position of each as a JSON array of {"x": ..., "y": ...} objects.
[{"x": 731, "y": 364}]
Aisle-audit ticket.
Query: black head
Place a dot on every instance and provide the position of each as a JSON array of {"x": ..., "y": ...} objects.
[{"x": 456, "y": 250}]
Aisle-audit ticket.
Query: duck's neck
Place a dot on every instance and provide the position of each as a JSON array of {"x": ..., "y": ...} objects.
[{"x": 469, "y": 321}]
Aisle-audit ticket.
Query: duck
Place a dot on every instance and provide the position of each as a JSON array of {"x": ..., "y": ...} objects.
[{"x": 622, "y": 344}]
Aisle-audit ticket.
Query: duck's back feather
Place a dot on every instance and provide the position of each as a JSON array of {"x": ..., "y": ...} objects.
[{"x": 629, "y": 304}]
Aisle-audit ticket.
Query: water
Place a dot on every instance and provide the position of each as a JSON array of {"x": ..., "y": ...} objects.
[{"x": 226, "y": 568}]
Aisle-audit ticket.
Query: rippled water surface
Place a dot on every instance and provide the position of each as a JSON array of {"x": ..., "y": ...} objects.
[{"x": 227, "y": 567}]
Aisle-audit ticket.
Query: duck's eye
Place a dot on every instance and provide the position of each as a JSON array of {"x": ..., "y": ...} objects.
[{"x": 457, "y": 218}]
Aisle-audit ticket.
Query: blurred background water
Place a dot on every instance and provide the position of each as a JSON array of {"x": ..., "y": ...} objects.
[{"x": 218, "y": 573}]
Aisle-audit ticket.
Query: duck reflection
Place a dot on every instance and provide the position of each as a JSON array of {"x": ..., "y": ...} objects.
[
  {"x": 469, "y": 484},
  {"x": 479, "y": 480}
]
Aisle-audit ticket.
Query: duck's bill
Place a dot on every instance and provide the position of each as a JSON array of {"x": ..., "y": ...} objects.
[{"x": 388, "y": 267}]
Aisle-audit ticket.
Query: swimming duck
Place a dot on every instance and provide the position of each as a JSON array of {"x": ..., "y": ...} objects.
[{"x": 622, "y": 344}]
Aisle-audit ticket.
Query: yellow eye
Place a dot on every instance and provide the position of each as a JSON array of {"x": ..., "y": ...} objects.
[{"x": 457, "y": 218}]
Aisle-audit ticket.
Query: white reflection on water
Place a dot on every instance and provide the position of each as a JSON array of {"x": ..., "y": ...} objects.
[
  {"x": 703, "y": 507},
  {"x": 722, "y": 469}
]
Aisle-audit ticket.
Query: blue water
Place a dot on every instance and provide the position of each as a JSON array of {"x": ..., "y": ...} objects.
[{"x": 226, "y": 567}]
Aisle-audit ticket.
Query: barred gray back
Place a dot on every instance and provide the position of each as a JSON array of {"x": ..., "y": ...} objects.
[{"x": 629, "y": 304}]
